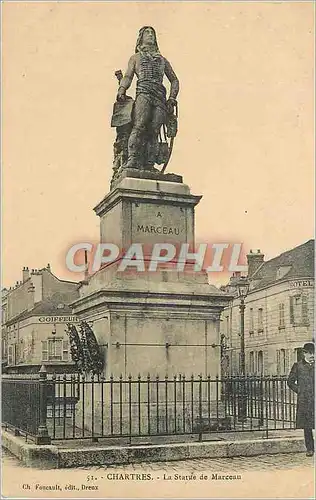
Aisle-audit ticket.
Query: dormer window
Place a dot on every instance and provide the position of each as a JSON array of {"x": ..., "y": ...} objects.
[{"x": 282, "y": 271}]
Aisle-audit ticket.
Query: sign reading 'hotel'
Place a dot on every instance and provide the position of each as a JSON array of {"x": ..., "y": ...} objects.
[{"x": 301, "y": 283}]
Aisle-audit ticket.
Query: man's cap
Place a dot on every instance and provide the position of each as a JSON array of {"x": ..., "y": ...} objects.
[{"x": 309, "y": 347}]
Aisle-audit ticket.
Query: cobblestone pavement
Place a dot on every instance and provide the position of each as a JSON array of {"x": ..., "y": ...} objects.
[{"x": 263, "y": 462}]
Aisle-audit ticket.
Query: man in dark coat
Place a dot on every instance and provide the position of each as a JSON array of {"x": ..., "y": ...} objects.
[{"x": 301, "y": 381}]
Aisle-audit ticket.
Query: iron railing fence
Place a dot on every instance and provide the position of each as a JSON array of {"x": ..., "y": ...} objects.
[
  {"x": 92, "y": 407},
  {"x": 20, "y": 404}
]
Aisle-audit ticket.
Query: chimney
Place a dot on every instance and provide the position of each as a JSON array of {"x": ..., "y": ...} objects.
[
  {"x": 25, "y": 274},
  {"x": 234, "y": 278},
  {"x": 254, "y": 259},
  {"x": 48, "y": 267}
]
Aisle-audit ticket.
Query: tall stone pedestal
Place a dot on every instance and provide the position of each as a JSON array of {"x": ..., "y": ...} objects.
[
  {"x": 164, "y": 322},
  {"x": 147, "y": 211}
]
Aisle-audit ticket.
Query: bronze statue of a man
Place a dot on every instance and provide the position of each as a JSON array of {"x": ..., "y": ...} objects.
[{"x": 151, "y": 107}]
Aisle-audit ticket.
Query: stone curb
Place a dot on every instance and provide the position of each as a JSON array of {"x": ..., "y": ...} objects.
[
  {"x": 32, "y": 455},
  {"x": 52, "y": 457}
]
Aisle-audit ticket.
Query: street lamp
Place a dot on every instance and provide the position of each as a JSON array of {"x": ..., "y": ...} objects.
[{"x": 242, "y": 289}]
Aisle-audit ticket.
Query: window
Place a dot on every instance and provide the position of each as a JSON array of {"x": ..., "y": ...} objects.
[
  {"x": 281, "y": 362},
  {"x": 260, "y": 320},
  {"x": 11, "y": 354},
  {"x": 28, "y": 345},
  {"x": 281, "y": 316},
  {"x": 20, "y": 351},
  {"x": 65, "y": 350},
  {"x": 251, "y": 322},
  {"x": 305, "y": 319},
  {"x": 251, "y": 362},
  {"x": 55, "y": 350},
  {"x": 299, "y": 310},
  {"x": 226, "y": 326},
  {"x": 260, "y": 362},
  {"x": 4, "y": 348},
  {"x": 298, "y": 354}
]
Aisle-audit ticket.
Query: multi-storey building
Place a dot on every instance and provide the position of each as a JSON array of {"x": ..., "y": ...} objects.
[
  {"x": 278, "y": 314},
  {"x": 34, "y": 316}
]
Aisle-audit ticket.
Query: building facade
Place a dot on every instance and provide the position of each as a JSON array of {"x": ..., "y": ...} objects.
[
  {"x": 34, "y": 316},
  {"x": 278, "y": 315}
]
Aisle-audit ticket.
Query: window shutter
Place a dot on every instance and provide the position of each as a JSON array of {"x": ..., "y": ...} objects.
[
  {"x": 58, "y": 348},
  {"x": 50, "y": 349},
  {"x": 44, "y": 350},
  {"x": 305, "y": 310},
  {"x": 278, "y": 361},
  {"x": 291, "y": 311},
  {"x": 25, "y": 349},
  {"x": 65, "y": 350},
  {"x": 265, "y": 361},
  {"x": 251, "y": 326},
  {"x": 10, "y": 355},
  {"x": 260, "y": 319},
  {"x": 287, "y": 361},
  {"x": 281, "y": 315},
  {"x": 260, "y": 362}
]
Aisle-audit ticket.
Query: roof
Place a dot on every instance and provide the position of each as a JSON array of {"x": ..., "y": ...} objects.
[
  {"x": 295, "y": 263},
  {"x": 45, "y": 308}
]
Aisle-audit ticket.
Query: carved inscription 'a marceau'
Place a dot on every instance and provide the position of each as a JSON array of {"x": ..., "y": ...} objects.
[{"x": 141, "y": 228}]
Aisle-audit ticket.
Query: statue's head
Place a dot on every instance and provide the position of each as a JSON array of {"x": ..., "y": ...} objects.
[{"x": 146, "y": 36}]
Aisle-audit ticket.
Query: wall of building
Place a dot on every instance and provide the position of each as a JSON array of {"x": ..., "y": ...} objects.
[
  {"x": 19, "y": 299},
  {"x": 287, "y": 323},
  {"x": 24, "y": 329},
  {"x": 58, "y": 291},
  {"x": 25, "y": 342}
]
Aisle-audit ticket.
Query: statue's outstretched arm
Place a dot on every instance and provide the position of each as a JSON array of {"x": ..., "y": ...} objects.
[
  {"x": 173, "y": 79},
  {"x": 127, "y": 79}
]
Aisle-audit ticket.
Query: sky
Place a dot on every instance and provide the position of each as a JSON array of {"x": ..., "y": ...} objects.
[{"x": 246, "y": 120}]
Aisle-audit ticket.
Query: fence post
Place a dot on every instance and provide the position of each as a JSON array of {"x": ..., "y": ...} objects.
[
  {"x": 263, "y": 397},
  {"x": 42, "y": 436},
  {"x": 242, "y": 399}
]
